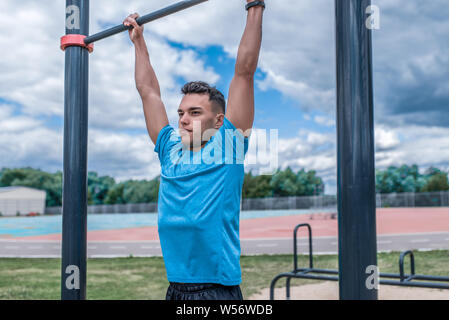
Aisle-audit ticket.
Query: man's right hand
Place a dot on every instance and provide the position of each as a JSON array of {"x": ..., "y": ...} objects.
[{"x": 136, "y": 33}]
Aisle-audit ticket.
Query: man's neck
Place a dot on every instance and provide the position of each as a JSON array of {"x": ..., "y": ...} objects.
[{"x": 197, "y": 148}]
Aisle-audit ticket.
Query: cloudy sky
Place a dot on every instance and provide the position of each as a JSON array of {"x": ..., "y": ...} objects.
[{"x": 295, "y": 81}]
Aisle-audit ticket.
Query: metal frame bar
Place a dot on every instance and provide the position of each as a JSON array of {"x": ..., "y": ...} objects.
[
  {"x": 355, "y": 149},
  {"x": 74, "y": 205},
  {"x": 144, "y": 19},
  {"x": 405, "y": 280}
]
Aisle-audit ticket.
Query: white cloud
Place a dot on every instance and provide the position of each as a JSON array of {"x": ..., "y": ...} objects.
[
  {"x": 24, "y": 141},
  {"x": 31, "y": 62},
  {"x": 325, "y": 121},
  {"x": 385, "y": 138},
  {"x": 311, "y": 97},
  {"x": 122, "y": 156},
  {"x": 419, "y": 145}
]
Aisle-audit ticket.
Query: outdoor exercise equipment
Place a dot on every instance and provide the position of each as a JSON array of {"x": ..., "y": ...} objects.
[
  {"x": 77, "y": 45},
  {"x": 355, "y": 135},
  {"x": 392, "y": 279}
]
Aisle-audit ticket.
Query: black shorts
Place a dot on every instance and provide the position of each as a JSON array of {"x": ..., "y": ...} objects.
[{"x": 202, "y": 291}]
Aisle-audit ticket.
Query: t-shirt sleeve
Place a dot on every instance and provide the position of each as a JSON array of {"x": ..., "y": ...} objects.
[
  {"x": 166, "y": 140},
  {"x": 235, "y": 142}
]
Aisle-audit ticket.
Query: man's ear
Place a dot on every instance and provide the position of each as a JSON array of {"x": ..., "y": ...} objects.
[{"x": 219, "y": 120}]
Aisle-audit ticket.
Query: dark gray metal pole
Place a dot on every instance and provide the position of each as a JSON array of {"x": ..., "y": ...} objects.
[
  {"x": 74, "y": 204},
  {"x": 355, "y": 151},
  {"x": 144, "y": 19}
]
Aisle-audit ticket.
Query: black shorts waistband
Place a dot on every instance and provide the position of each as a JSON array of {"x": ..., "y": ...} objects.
[{"x": 192, "y": 287}]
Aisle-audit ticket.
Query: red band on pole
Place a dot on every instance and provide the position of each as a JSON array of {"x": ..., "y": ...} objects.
[{"x": 75, "y": 40}]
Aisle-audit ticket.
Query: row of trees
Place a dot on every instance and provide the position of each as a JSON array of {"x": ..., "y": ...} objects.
[
  {"x": 283, "y": 183},
  {"x": 105, "y": 190},
  {"x": 100, "y": 189},
  {"x": 409, "y": 179},
  {"x": 391, "y": 180}
]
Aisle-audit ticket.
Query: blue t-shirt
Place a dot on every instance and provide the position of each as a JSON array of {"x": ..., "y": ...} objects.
[{"x": 199, "y": 206}]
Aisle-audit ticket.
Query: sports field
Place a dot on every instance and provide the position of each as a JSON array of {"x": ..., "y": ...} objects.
[
  {"x": 144, "y": 278},
  {"x": 253, "y": 225}
]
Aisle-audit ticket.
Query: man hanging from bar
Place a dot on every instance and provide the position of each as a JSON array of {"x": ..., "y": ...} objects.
[{"x": 202, "y": 169}]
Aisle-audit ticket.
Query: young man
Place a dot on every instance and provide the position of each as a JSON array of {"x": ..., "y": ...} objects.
[{"x": 202, "y": 169}]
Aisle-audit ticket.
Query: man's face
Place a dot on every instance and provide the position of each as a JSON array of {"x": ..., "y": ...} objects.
[{"x": 196, "y": 115}]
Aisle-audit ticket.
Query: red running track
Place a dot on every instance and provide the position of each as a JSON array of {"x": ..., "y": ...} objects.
[{"x": 388, "y": 221}]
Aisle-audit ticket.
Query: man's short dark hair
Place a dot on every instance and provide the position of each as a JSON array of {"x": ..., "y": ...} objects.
[{"x": 215, "y": 96}]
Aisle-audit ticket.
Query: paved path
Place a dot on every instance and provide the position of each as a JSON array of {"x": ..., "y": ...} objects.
[
  {"x": 321, "y": 245},
  {"x": 397, "y": 229}
]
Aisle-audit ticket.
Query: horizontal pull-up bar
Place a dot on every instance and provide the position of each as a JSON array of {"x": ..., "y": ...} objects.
[{"x": 144, "y": 19}]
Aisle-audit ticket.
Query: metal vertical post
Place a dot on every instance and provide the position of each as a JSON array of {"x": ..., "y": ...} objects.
[
  {"x": 74, "y": 219},
  {"x": 355, "y": 151}
]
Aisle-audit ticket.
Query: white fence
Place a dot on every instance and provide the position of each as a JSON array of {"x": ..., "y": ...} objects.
[
  {"x": 113, "y": 208},
  {"x": 428, "y": 199}
]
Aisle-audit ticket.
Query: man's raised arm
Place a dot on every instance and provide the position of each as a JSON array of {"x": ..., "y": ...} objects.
[
  {"x": 240, "y": 110},
  {"x": 146, "y": 81}
]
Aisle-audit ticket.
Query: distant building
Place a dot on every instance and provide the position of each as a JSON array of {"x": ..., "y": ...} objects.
[{"x": 21, "y": 200}]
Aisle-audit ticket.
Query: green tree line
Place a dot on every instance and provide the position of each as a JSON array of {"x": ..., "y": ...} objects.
[
  {"x": 283, "y": 183},
  {"x": 105, "y": 190},
  {"x": 100, "y": 189},
  {"x": 409, "y": 179}
]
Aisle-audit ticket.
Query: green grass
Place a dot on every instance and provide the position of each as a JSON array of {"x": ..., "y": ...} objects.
[{"x": 145, "y": 278}]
